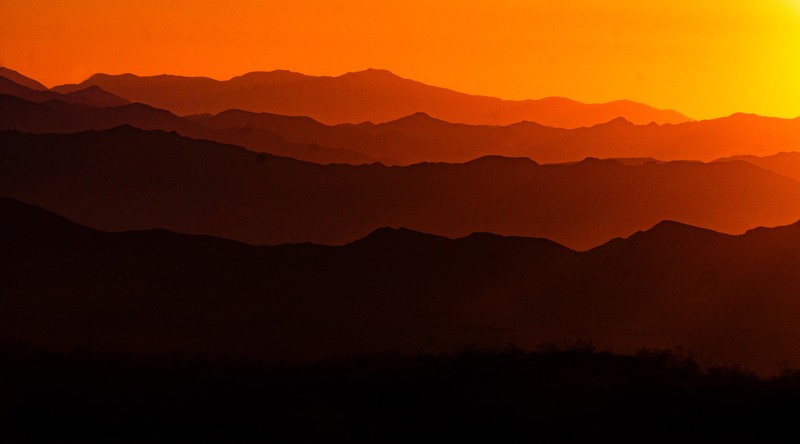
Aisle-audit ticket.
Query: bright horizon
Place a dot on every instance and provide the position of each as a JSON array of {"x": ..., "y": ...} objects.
[{"x": 704, "y": 60}]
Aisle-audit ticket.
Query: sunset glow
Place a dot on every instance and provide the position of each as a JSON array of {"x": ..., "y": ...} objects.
[
  {"x": 705, "y": 59},
  {"x": 361, "y": 220}
]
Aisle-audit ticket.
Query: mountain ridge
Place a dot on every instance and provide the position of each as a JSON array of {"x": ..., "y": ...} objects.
[
  {"x": 394, "y": 289},
  {"x": 21, "y": 79},
  {"x": 91, "y": 95},
  {"x": 420, "y": 137},
  {"x": 254, "y": 197},
  {"x": 373, "y": 95}
]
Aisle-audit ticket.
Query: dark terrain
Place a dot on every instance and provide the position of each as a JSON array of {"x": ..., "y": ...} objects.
[
  {"x": 160, "y": 293},
  {"x": 129, "y": 179},
  {"x": 551, "y": 395}
]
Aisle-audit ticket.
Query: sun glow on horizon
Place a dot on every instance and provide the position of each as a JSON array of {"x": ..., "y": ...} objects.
[{"x": 704, "y": 59}]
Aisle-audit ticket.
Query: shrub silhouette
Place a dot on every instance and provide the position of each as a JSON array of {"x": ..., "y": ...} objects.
[{"x": 487, "y": 394}]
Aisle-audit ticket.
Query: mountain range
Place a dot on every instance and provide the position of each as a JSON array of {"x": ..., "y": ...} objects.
[
  {"x": 128, "y": 179},
  {"x": 372, "y": 95},
  {"x": 420, "y": 138},
  {"x": 786, "y": 164},
  {"x": 21, "y": 79},
  {"x": 157, "y": 292},
  {"x": 300, "y": 229},
  {"x": 91, "y": 95},
  {"x": 411, "y": 139}
]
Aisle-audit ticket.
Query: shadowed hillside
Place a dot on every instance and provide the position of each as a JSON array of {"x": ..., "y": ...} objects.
[
  {"x": 91, "y": 95},
  {"x": 785, "y": 164},
  {"x": 57, "y": 116},
  {"x": 20, "y": 79},
  {"x": 126, "y": 178},
  {"x": 728, "y": 298},
  {"x": 371, "y": 95}
]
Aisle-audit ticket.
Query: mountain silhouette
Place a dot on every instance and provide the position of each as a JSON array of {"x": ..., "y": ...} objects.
[
  {"x": 57, "y": 116},
  {"x": 20, "y": 79},
  {"x": 728, "y": 298},
  {"x": 371, "y": 95},
  {"x": 417, "y": 137},
  {"x": 92, "y": 95},
  {"x": 129, "y": 179},
  {"x": 420, "y": 137},
  {"x": 786, "y": 164}
]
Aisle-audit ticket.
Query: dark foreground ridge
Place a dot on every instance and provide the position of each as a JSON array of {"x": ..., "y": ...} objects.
[
  {"x": 158, "y": 293},
  {"x": 553, "y": 394}
]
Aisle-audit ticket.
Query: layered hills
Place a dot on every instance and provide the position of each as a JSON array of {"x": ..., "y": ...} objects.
[
  {"x": 371, "y": 95},
  {"x": 156, "y": 292},
  {"x": 420, "y": 137},
  {"x": 127, "y": 179},
  {"x": 21, "y": 79},
  {"x": 414, "y": 138},
  {"x": 91, "y": 95},
  {"x": 784, "y": 163},
  {"x": 58, "y": 116}
]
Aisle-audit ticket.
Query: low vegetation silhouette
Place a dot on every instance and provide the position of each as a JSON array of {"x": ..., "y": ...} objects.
[{"x": 557, "y": 392}]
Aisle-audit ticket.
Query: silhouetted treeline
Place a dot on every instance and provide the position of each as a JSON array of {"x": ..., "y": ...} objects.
[{"x": 487, "y": 394}]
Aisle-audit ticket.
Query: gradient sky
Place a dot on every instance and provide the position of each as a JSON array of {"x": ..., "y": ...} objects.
[{"x": 705, "y": 58}]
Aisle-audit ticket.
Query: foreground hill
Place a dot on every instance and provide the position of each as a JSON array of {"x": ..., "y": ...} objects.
[
  {"x": 728, "y": 298},
  {"x": 126, "y": 178},
  {"x": 371, "y": 95}
]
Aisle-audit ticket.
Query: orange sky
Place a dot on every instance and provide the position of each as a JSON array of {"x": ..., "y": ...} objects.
[{"x": 705, "y": 58}]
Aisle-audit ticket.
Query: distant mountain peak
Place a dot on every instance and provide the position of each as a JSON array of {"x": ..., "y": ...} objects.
[
  {"x": 666, "y": 235},
  {"x": 592, "y": 161},
  {"x": 670, "y": 229},
  {"x": 102, "y": 75},
  {"x": 372, "y": 72},
  {"x": 494, "y": 160},
  {"x": 421, "y": 114},
  {"x": 418, "y": 117},
  {"x": 277, "y": 75},
  {"x": 396, "y": 236},
  {"x": 20, "y": 79},
  {"x": 618, "y": 122}
]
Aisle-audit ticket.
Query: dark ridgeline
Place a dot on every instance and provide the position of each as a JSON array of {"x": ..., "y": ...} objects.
[
  {"x": 58, "y": 116},
  {"x": 201, "y": 330},
  {"x": 21, "y": 79},
  {"x": 89, "y": 96},
  {"x": 422, "y": 138},
  {"x": 371, "y": 95},
  {"x": 785, "y": 164},
  {"x": 411, "y": 139},
  {"x": 414, "y": 138},
  {"x": 729, "y": 298},
  {"x": 126, "y": 178}
]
